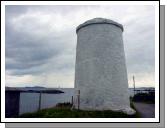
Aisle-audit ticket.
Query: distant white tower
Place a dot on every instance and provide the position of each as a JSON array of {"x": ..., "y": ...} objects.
[{"x": 100, "y": 71}]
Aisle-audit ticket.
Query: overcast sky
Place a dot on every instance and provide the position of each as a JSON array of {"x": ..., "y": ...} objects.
[{"x": 41, "y": 42}]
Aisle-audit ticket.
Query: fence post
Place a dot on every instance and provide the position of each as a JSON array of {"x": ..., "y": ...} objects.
[
  {"x": 72, "y": 101},
  {"x": 78, "y": 99},
  {"x": 134, "y": 85},
  {"x": 39, "y": 107}
]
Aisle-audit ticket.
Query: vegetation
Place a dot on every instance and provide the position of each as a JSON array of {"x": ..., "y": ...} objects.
[
  {"x": 144, "y": 97},
  {"x": 64, "y": 111}
]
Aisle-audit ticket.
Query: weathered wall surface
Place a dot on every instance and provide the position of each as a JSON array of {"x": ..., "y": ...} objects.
[{"x": 100, "y": 72}]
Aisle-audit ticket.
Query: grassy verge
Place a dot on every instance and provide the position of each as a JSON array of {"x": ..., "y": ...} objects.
[
  {"x": 63, "y": 110},
  {"x": 68, "y": 113}
]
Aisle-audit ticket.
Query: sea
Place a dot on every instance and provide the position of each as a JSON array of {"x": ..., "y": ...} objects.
[{"x": 29, "y": 102}]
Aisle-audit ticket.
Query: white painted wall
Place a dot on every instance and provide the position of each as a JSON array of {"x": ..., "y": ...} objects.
[{"x": 100, "y": 72}]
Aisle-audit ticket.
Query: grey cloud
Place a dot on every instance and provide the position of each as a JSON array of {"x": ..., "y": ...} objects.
[
  {"x": 26, "y": 50},
  {"x": 58, "y": 64},
  {"x": 15, "y": 10},
  {"x": 35, "y": 47},
  {"x": 139, "y": 47}
]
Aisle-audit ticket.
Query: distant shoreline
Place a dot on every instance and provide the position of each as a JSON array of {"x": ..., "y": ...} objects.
[{"x": 33, "y": 90}]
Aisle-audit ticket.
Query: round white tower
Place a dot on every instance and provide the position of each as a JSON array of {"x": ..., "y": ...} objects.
[{"x": 100, "y": 71}]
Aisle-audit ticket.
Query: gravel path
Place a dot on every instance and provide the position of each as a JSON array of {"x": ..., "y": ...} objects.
[{"x": 145, "y": 110}]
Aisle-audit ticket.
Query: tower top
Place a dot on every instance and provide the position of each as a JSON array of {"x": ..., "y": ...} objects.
[{"x": 99, "y": 21}]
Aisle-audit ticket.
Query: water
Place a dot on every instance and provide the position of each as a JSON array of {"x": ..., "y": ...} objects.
[{"x": 29, "y": 102}]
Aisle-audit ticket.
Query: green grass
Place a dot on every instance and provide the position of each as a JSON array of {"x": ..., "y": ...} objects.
[
  {"x": 63, "y": 110},
  {"x": 68, "y": 113}
]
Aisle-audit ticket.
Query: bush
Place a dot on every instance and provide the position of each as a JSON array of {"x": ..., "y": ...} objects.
[
  {"x": 144, "y": 97},
  {"x": 64, "y": 105}
]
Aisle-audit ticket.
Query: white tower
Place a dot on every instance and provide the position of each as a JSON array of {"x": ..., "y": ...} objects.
[{"x": 100, "y": 71}]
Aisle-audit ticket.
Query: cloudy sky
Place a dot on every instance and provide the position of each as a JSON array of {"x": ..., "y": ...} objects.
[{"x": 40, "y": 42}]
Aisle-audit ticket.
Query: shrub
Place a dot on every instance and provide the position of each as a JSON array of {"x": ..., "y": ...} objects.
[{"x": 144, "y": 97}]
